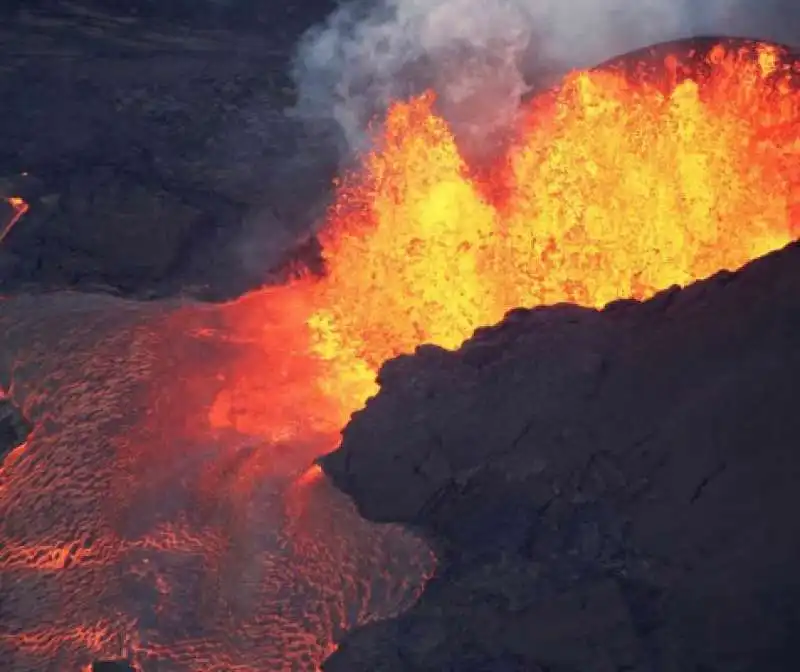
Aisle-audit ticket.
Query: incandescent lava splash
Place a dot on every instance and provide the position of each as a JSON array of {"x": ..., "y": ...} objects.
[{"x": 648, "y": 172}]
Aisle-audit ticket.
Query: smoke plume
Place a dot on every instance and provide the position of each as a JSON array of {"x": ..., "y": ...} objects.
[{"x": 481, "y": 56}]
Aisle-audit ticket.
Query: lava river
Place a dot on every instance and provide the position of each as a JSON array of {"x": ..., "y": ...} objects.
[{"x": 163, "y": 508}]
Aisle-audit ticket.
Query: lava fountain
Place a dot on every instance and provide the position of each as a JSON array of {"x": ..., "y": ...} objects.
[
  {"x": 163, "y": 510},
  {"x": 653, "y": 170}
]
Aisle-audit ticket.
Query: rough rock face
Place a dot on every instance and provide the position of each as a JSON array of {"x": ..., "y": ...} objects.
[
  {"x": 608, "y": 490},
  {"x": 14, "y": 428},
  {"x": 112, "y": 666},
  {"x": 145, "y": 139}
]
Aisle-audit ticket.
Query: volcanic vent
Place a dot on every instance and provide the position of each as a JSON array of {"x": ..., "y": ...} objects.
[
  {"x": 174, "y": 440},
  {"x": 658, "y": 168}
]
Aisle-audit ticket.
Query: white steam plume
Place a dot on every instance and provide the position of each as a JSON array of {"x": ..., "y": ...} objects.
[{"x": 480, "y": 55}]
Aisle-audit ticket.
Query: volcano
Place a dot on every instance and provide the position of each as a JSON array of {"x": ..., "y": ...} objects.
[{"x": 165, "y": 508}]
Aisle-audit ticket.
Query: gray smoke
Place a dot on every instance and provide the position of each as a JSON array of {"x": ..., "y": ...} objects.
[{"x": 481, "y": 56}]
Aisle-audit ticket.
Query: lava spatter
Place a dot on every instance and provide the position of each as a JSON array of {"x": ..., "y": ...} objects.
[{"x": 620, "y": 182}]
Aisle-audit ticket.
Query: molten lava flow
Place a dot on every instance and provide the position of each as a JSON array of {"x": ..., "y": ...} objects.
[
  {"x": 128, "y": 530},
  {"x": 617, "y": 185}
]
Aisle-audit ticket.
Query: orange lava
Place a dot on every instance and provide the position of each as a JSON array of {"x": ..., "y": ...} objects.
[
  {"x": 615, "y": 186},
  {"x": 129, "y": 530}
]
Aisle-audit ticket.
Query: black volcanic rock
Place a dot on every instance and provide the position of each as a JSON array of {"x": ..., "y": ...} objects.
[
  {"x": 112, "y": 666},
  {"x": 14, "y": 428},
  {"x": 607, "y": 490},
  {"x": 146, "y": 136}
]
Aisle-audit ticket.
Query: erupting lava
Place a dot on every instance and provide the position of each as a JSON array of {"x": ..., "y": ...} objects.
[{"x": 618, "y": 184}]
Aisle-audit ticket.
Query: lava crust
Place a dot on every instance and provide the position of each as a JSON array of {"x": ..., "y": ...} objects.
[
  {"x": 687, "y": 55},
  {"x": 131, "y": 530},
  {"x": 610, "y": 489}
]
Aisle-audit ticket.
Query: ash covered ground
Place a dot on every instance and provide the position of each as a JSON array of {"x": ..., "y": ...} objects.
[{"x": 148, "y": 138}]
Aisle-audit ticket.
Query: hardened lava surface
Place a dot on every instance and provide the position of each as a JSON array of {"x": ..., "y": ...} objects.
[{"x": 130, "y": 529}]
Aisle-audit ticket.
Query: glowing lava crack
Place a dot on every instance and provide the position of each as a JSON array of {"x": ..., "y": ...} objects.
[{"x": 162, "y": 508}]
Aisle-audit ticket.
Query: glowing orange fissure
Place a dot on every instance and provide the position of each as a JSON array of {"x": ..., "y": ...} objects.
[
  {"x": 20, "y": 207},
  {"x": 611, "y": 189}
]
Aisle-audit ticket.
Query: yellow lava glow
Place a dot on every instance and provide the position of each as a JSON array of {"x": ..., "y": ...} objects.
[{"x": 615, "y": 187}]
